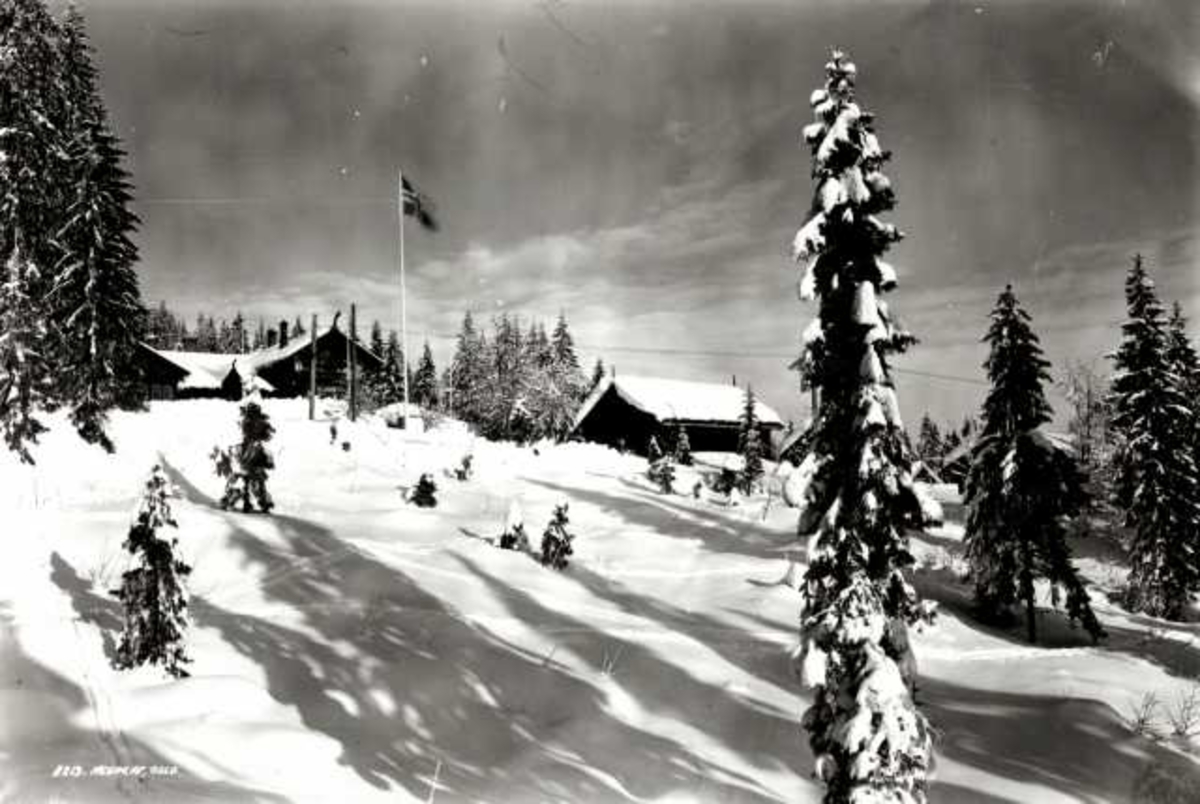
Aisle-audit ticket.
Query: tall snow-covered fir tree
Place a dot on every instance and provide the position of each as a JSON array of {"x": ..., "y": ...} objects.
[
  {"x": 749, "y": 445},
  {"x": 1021, "y": 486},
  {"x": 1157, "y": 484},
  {"x": 96, "y": 305},
  {"x": 425, "y": 387},
  {"x": 34, "y": 172},
  {"x": 152, "y": 591},
  {"x": 468, "y": 372},
  {"x": 1185, "y": 364},
  {"x": 70, "y": 312},
  {"x": 871, "y": 742}
]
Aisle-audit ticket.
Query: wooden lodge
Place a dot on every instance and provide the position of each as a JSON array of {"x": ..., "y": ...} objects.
[
  {"x": 625, "y": 412},
  {"x": 281, "y": 370}
]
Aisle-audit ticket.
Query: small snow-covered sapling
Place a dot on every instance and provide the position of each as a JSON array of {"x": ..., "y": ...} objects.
[
  {"x": 423, "y": 494},
  {"x": 513, "y": 537},
  {"x": 556, "y": 541},
  {"x": 245, "y": 465},
  {"x": 152, "y": 589},
  {"x": 463, "y": 472},
  {"x": 662, "y": 474}
]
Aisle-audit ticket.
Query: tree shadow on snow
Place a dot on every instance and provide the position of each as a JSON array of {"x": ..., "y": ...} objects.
[
  {"x": 1078, "y": 747},
  {"x": 42, "y": 712},
  {"x": 413, "y": 688},
  {"x": 103, "y": 612},
  {"x": 760, "y": 733},
  {"x": 719, "y": 534},
  {"x": 761, "y": 658}
]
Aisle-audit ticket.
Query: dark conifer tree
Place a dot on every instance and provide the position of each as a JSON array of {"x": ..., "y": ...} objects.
[
  {"x": 35, "y": 175},
  {"x": 152, "y": 592},
  {"x": 750, "y": 445},
  {"x": 556, "y": 540},
  {"x": 423, "y": 495},
  {"x": 683, "y": 447},
  {"x": 870, "y": 740},
  {"x": 1021, "y": 487},
  {"x": 930, "y": 446},
  {"x": 425, "y": 387},
  {"x": 1185, "y": 364},
  {"x": 245, "y": 465},
  {"x": 468, "y": 373},
  {"x": 1157, "y": 481}
]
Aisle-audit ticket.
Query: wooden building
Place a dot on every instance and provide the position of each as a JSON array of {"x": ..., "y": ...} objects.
[
  {"x": 625, "y": 412},
  {"x": 281, "y": 370}
]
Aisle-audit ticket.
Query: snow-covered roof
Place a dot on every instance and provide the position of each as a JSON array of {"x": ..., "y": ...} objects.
[
  {"x": 1063, "y": 441},
  {"x": 679, "y": 400},
  {"x": 207, "y": 370}
]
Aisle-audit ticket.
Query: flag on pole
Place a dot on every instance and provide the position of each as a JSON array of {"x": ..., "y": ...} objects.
[{"x": 417, "y": 204}]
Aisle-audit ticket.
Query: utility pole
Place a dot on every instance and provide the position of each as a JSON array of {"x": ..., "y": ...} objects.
[
  {"x": 312, "y": 370},
  {"x": 352, "y": 366}
]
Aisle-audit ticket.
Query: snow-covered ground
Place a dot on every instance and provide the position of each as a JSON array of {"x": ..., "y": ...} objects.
[{"x": 354, "y": 648}]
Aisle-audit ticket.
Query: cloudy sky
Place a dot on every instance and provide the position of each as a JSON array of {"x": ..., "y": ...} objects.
[{"x": 637, "y": 166}]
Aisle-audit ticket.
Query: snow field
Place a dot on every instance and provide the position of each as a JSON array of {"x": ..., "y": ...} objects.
[{"x": 351, "y": 647}]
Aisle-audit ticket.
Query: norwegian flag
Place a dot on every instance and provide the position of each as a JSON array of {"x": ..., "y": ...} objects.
[{"x": 417, "y": 204}]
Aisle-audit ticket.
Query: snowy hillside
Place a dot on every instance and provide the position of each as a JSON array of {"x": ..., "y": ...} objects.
[{"x": 352, "y": 647}]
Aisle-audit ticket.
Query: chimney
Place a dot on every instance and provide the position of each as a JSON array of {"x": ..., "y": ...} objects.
[{"x": 283, "y": 334}]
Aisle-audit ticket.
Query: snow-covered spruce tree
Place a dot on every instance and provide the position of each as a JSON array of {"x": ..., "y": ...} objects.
[
  {"x": 1185, "y": 364},
  {"x": 34, "y": 174},
  {"x": 683, "y": 447},
  {"x": 425, "y": 390},
  {"x": 1021, "y": 487},
  {"x": 871, "y": 742},
  {"x": 1157, "y": 482},
  {"x": 662, "y": 474},
  {"x": 468, "y": 372},
  {"x": 749, "y": 445},
  {"x": 930, "y": 447},
  {"x": 556, "y": 540},
  {"x": 95, "y": 303},
  {"x": 245, "y": 465},
  {"x": 152, "y": 591},
  {"x": 565, "y": 364}
]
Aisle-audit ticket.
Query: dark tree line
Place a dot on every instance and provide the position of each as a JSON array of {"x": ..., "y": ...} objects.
[
  {"x": 167, "y": 330},
  {"x": 70, "y": 309}
]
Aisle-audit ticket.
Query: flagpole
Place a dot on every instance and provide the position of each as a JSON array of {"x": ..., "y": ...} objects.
[{"x": 403, "y": 298}]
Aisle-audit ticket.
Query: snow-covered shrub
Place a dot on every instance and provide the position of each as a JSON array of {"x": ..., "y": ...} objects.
[
  {"x": 1143, "y": 715},
  {"x": 152, "y": 590},
  {"x": 1183, "y": 711},
  {"x": 245, "y": 465},
  {"x": 556, "y": 540},
  {"x": 514, "y": 537},
  {"x": 423, "y": 494},
  {"x": 463, "y": 471},
  {"x": 662, "y": 474}
]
